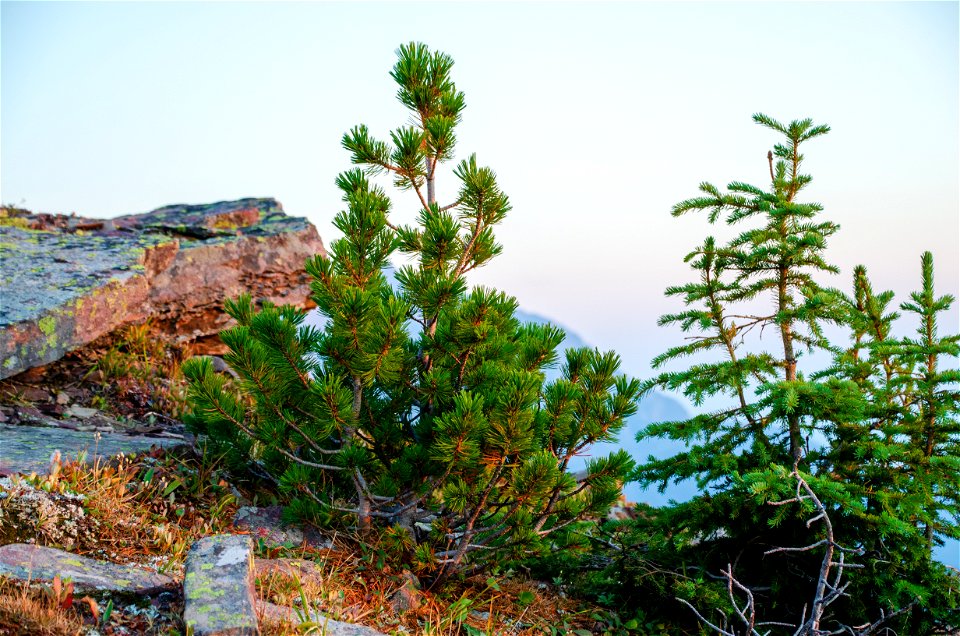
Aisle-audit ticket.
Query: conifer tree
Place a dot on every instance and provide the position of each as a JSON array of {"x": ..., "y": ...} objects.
[
  {"x": 775, "y": 259},
  {"x": 931, "y": 423},
  {"x": 897, "y": 460},
  {"x": 422, "y": 406},
  {"x": 874, "y": 434}
]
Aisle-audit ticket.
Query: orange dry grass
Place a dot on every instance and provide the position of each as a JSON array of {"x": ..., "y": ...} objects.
[
  {"x": 151, "y": 511},
  {"x": 501, "y": 610},
  {"x": 357, "y": 586},
  {"x": 146, "y": 514},
  {"x": 26, "y": 611}
]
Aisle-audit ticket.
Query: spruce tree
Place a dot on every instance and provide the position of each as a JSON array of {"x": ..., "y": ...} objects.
[
  {"x": 773, "y": 261},
  {"x": 931, "y": 424},
  {"x": 874, "y": 434},
  {"x": 422, "y": 406},
  {"x": 902, "y": 458}
]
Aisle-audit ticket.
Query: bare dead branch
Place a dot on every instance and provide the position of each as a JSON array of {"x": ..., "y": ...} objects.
[{"x": 829, "y": 585}]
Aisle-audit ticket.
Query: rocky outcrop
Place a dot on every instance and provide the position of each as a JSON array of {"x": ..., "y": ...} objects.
[{"x": 66, "y": 281}]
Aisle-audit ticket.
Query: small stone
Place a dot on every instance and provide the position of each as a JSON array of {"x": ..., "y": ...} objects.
[
  {"x": 35, "y": 394},
  {"x": 82, "y": 412},
  {"x": 74, "y": 393},
  {"x": 34, "y": 563},
  {"x": 31, "y": 416},
  {"x": 35, "y": 374},
  {"x": 407, "y": 598},
  {"x": 220, "y": 366},
  {"x": 50, "y": 408},
  {"x": 63, "y": 399},
  {"x": 75, "y": 425},
  {"x": 218, "y": 587},
  {"x": 265, "y": 523}
]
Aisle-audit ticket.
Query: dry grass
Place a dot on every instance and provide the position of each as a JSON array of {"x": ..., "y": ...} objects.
[
  {"x": 26, "y": 610},
  {"x": 140, "y": 374},
  {"x": 149, "y": 510},
  {"x": 52, "y": 610},
  {"x": 357, "y": 586}
]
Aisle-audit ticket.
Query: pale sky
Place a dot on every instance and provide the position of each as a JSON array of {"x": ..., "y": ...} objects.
[{"x": 596, "y": 117}]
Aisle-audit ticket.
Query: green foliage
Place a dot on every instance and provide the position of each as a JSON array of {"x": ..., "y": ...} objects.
[
  {"x": 423, "y": 406},
  {"x": 875, "y": 434}
]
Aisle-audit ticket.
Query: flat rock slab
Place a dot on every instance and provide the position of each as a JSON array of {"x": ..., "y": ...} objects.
[
  {"x": 34, "y": 563},
  {"x": 27, "y": 449},
  {"x": 271, "y": 613},
  {"x": 67, "y": 281},
  {"x": 219, "y": 597}
]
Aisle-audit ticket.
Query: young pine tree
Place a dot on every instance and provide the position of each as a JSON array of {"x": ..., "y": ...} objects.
[
  {"x": 422, "y": 405},
  {"x": 772, "y": 265}
]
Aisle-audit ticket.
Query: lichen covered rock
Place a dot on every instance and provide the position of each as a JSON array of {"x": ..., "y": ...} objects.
[
  {"x": 34, "y": 563},
  {"x": 27, "y": 449},
  {"x": 67, "y": 281},
  {"x": 219, "y": 597},
  {"x": 34, "y": 515}
]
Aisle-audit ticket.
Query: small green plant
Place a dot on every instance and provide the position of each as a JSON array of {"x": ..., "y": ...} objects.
[
  {"x": 142, "y": 374},
  {"x": 13, "y": 216},
  {"x": 113, "y": 364}
]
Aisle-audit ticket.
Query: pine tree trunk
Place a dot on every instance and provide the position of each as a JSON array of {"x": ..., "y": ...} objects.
[
  {"x": 931, "y": 420},
  {"x": 363, "y": 503},
  {"x": 431, "y": 181},
  {"x": 789, "y": 364}
]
